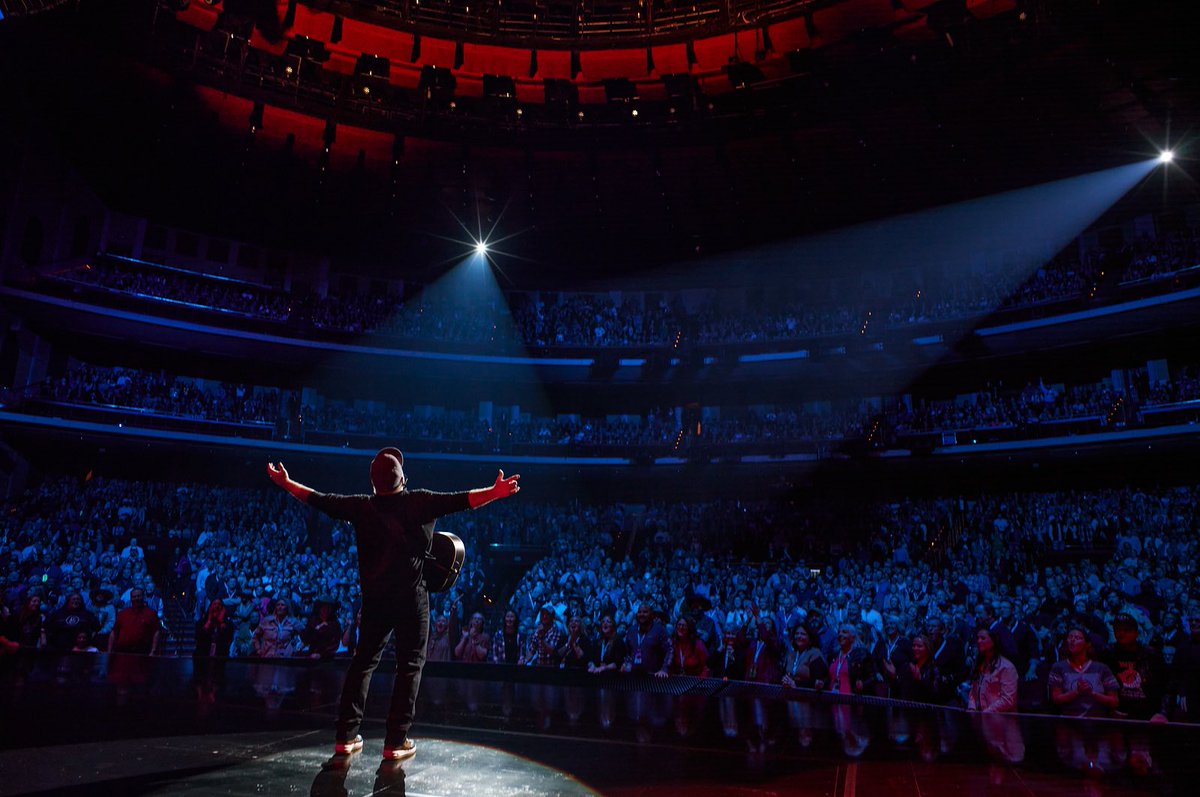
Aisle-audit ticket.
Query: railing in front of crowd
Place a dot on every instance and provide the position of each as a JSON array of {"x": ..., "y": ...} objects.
[{"x": 453, "y": 671}]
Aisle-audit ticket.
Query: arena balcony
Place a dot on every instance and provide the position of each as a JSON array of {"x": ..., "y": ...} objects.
[
  {"x": 583, "y": 24},
  {"x": 16, "y": 9},
  {"x": 1157, "y": 401},
  {"x": 133, "y": 297},
  {"x": 550, "y": 63}
]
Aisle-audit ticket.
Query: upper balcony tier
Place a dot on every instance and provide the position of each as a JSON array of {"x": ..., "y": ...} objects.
[
  {"x": 609, "y": 340},
  {"x": 592, "y": 24}
]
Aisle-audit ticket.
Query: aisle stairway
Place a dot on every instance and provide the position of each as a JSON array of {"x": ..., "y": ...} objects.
[{"x": 179, "y": 636}]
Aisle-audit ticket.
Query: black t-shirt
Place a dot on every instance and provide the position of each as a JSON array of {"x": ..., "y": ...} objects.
[
  {"x": 1143, "y": 677},
  {"x": 65, "y": 624},
  {"x": 393, "y": 534}
]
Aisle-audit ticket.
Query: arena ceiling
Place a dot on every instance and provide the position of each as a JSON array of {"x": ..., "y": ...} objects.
[{"x": 764, "y": 121}]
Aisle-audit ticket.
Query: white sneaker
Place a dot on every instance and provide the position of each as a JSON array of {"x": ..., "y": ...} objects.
[
  {"x": 352, "y": 746},
  {"x": 406, "y": 750}
]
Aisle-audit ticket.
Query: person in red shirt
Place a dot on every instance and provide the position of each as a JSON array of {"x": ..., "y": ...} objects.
[
  {"x": 688, "y": 656},
  {"x": 137, "y": 628}
]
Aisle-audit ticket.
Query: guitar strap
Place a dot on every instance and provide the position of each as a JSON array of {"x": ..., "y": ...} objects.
[{"x": 428, "y": 528}]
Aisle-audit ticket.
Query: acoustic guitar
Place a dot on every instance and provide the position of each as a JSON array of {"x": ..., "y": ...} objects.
[{"x": 443, "y": 561}]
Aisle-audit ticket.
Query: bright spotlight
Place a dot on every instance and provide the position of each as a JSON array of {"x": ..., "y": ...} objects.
[
  {"x": 481, "y": 248},
  {"x": 1166, "y": 156}
]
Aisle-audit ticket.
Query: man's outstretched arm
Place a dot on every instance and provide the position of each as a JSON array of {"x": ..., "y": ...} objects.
[
  {"x": 279, "y": 475},
  {"x": 503, "y": 488}
]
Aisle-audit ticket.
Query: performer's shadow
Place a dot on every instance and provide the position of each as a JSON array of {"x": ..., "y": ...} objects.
[
  {"x": 331, "y": 780},
  {"x": 389, "y": 779}
]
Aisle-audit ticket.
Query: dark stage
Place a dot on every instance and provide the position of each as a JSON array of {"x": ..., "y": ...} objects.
[{"x": 88, "y": 725}]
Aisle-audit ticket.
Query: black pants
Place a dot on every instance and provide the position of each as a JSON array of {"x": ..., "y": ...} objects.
[{"x": 408, "y": 619}]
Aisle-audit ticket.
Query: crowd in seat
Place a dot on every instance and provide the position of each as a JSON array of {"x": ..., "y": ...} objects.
[
  {"x": 596, "y": 320},
  {"x": 1168, "y": 253},
  {"x": 987, "y": 625},
  {"x": 945, "y": 600},
  {"x": 1034, "y": 403},
  {"x": 660, "y": 432},
  {"x": 162, "y": 393},
  {"x": 77, "y": 554},
  {"x": 182, "y": 286}
]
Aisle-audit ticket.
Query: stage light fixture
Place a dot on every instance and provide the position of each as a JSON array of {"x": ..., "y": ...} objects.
[
  {"x": 682, "y": 91},
  {"x": 256, "y": 117},
  {"x": 371, "y": 76},
  {"x": 500, "y": 95},
  {"x": 481, "y": 248},
  {"x": 437, "y": 86},
  {"x": 743, "y": 75},
  {"x": 562, "y": 97},
  {"x": 1166, "y": 156},
  {"x": 620, "y": 91}
]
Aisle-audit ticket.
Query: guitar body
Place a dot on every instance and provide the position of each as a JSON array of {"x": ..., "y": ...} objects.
[{"x": 443, "y": 561}]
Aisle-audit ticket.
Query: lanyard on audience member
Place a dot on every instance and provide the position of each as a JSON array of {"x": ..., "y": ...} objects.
[
  {"x": 604, "y": 649},
  {"x": 892, "y": 647},
  {"x": 941, "y": 647}
]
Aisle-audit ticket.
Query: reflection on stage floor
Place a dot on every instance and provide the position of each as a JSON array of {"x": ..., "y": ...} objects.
[{"x": 134, "y": 725}]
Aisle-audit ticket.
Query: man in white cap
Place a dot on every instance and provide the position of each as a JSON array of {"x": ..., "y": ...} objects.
[{"x": 393, "y": 528}]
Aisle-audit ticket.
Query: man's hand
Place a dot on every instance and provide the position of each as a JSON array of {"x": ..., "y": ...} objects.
[
  {"x": 503, "y": 487},
  {"x": 278, "y": 473}
]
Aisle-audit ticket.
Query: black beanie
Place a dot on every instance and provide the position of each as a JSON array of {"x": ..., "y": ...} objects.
[{"x": 387, "y": 474}]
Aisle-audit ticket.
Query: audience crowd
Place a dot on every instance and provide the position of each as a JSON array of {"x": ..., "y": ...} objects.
[
  {"x": 598, "y": 320},
  {"x": 948, "y": 602},
  {"x": 659, "y": 432},
  {"x": 136, "y": 278},
  {"x": 1166, "y": 254},
  {"x": 161, "y": 393},
  {"x": 942, "y": 600}
]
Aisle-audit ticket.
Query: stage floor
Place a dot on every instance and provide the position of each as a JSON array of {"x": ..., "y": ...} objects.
[{"x": 135, "y": 726}]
